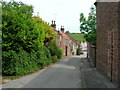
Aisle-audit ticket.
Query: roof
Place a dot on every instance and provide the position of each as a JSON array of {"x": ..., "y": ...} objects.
[{"x": 63, "y": 34}]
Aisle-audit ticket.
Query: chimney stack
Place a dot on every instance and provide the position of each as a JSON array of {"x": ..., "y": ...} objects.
[
  {"x": 52, "y": 21},
  {"x": 62, "y": 29},
  {"x": 53, "y": 25}
]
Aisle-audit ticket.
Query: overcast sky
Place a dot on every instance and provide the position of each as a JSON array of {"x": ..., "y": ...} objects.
[{"x": 64, "y": 12}]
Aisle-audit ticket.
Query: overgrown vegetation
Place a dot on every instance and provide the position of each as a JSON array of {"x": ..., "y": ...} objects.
[
  {"x": 55, "y": 51},
  {"x": 88, "y": 26},
  {"x": 26, "y": 40},
  {"x": 78, "y": 50}
]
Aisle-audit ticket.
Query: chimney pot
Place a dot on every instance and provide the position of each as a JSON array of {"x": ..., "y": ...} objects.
[
  {"x": 62, "y": 29},
  {"x": 54, "y": 22},
  {"x": 53, "y": 25}
]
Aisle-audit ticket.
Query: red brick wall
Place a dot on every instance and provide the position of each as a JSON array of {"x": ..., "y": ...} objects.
[
  {"x": 119, "y": 43},
  {"x": 108, "y": 43},
  {"x": 91, "y": 54}
]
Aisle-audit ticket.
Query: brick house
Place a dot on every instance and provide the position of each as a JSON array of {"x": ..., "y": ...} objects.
[
  {"x": 108, "y": 40},
  {"x": 67, "y": 43}
]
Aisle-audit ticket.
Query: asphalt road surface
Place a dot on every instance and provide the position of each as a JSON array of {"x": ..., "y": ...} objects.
[{"x": 64, "y": 74}]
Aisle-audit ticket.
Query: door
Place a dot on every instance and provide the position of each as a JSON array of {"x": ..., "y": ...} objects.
[{"x": 66, "y": 51}]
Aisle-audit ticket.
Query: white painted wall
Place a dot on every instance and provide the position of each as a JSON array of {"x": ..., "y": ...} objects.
[{"x": 83, "y": 45}]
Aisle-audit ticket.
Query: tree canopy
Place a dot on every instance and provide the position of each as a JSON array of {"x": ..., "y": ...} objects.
[{"x": 88, "y": 26}]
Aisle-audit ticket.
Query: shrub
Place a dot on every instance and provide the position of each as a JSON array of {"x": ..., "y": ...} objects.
[
  {"x": 78, "y": 51},
  {"x": 23, "y": 39},
  {"x": 22, "y": 63},
  {"x": 55, "y": 50},
  {"x": 54, "y": 59},
  {"x": 18, "y": 63},
  {"x": 60, "y": 53},
  {"x": 44, "y": 57},
  {"x": 48, "y": 54},
  {"x": 8, "y": 62}
]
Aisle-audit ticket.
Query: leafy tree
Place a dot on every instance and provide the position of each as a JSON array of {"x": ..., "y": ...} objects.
[
  {"x": 23, "y": 38},
  {"x": 88, "y": 26},
  {"x": 49, "y": 33},
  {"x": 17, "y": 26}
]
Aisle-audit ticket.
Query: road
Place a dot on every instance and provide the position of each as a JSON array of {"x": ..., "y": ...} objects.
[{"x": 64, "y": 74}]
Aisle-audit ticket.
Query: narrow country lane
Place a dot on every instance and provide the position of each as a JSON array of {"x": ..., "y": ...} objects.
[{"x": 64, "y": 74}]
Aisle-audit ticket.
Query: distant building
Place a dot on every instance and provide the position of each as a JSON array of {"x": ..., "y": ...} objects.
[
  {"x": 83, "y": 46},
  {"x": 67, "y": 43},
  {"x": 67, "y": 32}
]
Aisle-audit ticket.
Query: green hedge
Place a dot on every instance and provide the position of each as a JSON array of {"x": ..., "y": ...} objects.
[
  {"x": 54, "y": 59},
  {"x": 23, "y": 40},
  {"x": 23, "y": 63},
  {"x": 19, "y": 63},
  {"x": 60, "y": 53}
]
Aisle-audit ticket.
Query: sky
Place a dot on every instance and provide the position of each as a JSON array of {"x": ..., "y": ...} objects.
[{"x": 65, "y": 12}]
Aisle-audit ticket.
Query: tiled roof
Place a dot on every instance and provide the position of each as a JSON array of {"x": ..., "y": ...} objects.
[{"x": 63, "y": 34}]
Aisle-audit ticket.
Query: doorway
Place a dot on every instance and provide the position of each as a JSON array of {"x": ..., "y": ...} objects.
[{"x": 66, "y": 51}]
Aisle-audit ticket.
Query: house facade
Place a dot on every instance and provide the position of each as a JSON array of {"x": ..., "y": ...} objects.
[
  {"x": 108, "y": 40},
  {"x": 67, "y": 43}
]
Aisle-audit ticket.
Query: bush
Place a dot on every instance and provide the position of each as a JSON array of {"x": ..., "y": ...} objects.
[
  {"x": 17, "y": 63},
  {"x": 55, "y": 50},
  {"x": 8, "y": 62},
  {"x": 60, "y": 53},
  {"x": 22, "y": 63},
  {"x": 54, "y": 59},
  {"x": 23, "y": 38},
  {"x": 44, "y": 57},
  {"x": 78, "y": 51},
  {"x": 48, "y": 54}
]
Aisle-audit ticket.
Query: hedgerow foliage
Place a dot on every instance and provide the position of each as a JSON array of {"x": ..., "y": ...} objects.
[
  {"x": 55, "y": 51},
  {"x": 78, "y": 50},
  {"x": 25, "y": 40}
]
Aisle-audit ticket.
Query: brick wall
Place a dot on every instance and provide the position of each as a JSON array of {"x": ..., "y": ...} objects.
[
  {"x": 108, "y": 43},
  {"x": 119, "y": 43},
  {"x": 91, "y": 54},
  {"x": 63, "y": 43}
]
